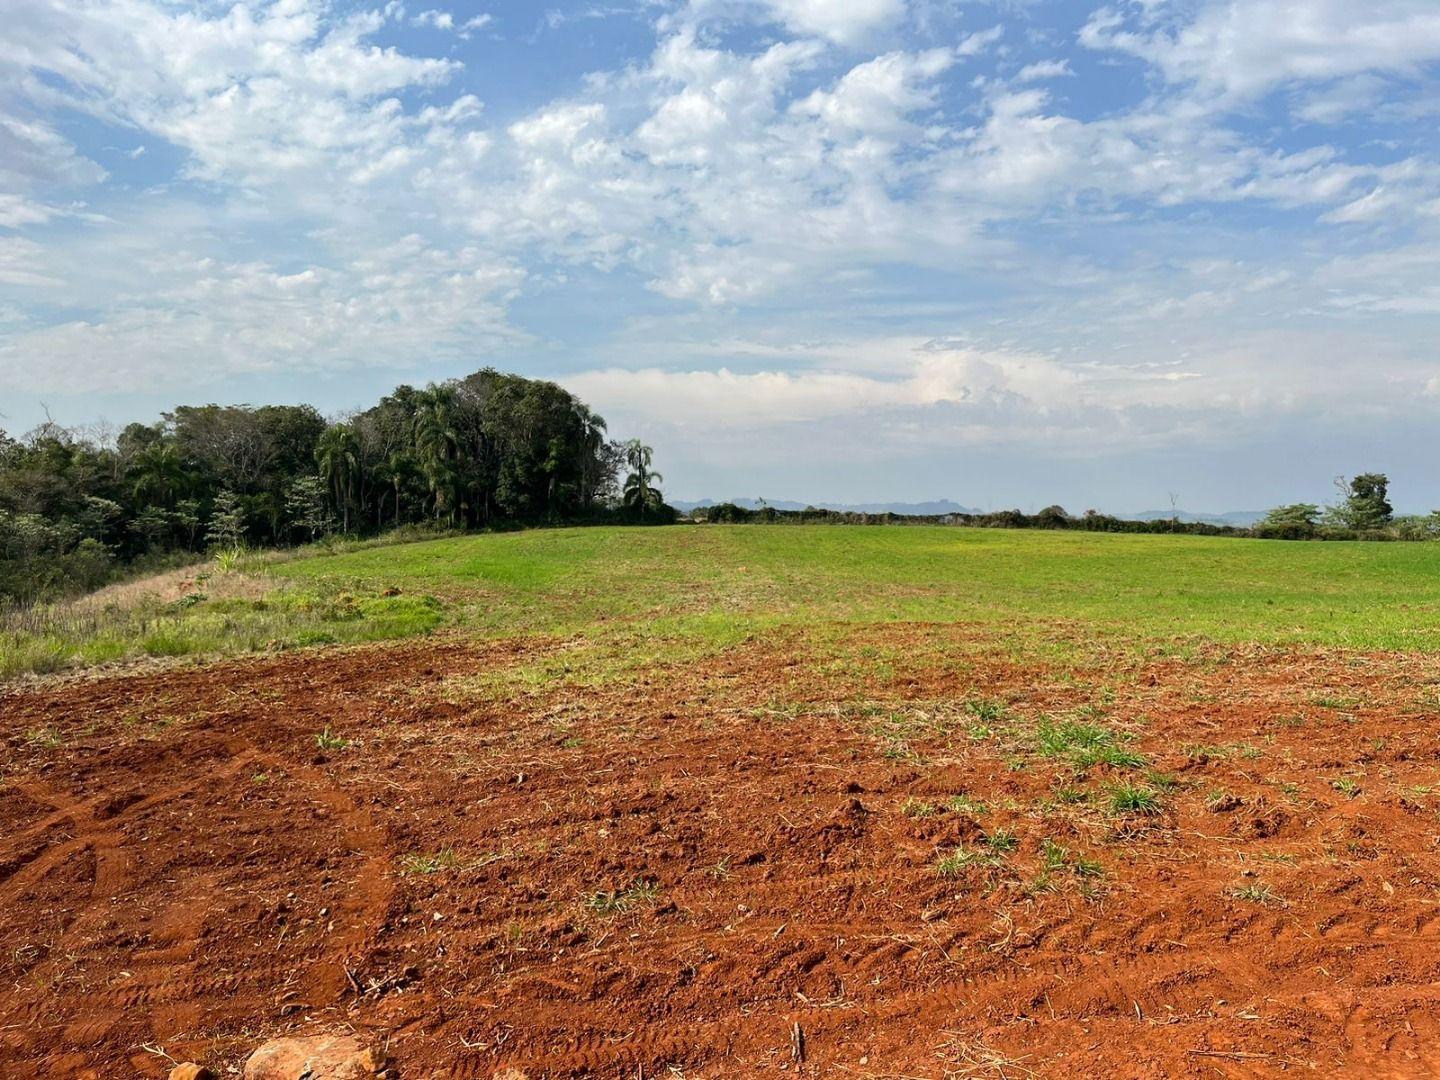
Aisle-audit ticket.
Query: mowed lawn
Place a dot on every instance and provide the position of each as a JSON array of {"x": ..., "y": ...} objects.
[{"x": 1362, "y": 595}]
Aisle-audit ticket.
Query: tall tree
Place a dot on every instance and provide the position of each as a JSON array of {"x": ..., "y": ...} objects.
[
  {"x": 640, "y": 491},
  {"x": 1364, "y": 502},
  {"x": 338, "y": 456},
  {"x": 437, "y": 448}
]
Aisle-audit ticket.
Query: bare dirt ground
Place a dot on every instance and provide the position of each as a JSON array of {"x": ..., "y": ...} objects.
[{"x": 728, "y": 870}]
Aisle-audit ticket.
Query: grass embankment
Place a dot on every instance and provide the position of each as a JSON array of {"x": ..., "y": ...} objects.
[
  {"x": 669, "y": 591},
  {"x": 203, "y": 611}
]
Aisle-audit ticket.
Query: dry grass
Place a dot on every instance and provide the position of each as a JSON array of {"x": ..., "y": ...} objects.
[{"x": 200, "y": 610}]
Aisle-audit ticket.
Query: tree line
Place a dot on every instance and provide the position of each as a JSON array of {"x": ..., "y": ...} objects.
[
  {"x": 487, "y": 450},
  {"x": 1362, "y": 511}
]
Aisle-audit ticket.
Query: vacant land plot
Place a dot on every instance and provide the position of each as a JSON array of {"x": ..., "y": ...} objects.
[{"x": 748, "y": 801}]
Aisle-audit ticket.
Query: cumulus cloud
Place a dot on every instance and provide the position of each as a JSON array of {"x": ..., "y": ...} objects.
[
  {"x": 1042, "y": 70},
  {"x": 814, "y": 168},
  {"x": 844, "y": 22},
  {"x": 1238, "y": 50},
  {"x": 224, "y": 318}
]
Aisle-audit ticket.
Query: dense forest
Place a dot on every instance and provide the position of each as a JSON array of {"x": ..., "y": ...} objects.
[{"x": 488, "y": 450}]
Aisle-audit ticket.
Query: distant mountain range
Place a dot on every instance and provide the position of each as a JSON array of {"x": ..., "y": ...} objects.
[
  {"x": 1237, "y": 518},
  {"x": 939, "y": 506}
]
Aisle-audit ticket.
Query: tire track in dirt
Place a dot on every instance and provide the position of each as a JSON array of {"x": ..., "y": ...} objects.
[
  {"x": 833, "y": 920},
  {"x": 173, "y": 973}
]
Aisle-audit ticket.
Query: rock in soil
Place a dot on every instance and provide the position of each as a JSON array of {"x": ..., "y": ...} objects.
[
  {"x": 323, "y": 1057},
  {"x": 190, "y": 1071}
]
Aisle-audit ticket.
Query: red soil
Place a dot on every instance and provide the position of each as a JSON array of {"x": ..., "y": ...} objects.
[{"x": 184, "y": 873}]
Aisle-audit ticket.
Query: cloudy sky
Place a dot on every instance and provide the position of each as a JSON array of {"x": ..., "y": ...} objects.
[{"x": 1007, "y": 252}]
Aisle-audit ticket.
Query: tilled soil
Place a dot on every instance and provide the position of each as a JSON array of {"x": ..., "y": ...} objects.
[{"x": 725, "y": 872}]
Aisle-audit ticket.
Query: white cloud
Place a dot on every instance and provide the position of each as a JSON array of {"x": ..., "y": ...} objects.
[
  {"x": 20, "y": 263},
  {"x": 1043, "y": 69},
  {"x": 1237, "y": 50},
  {"x": 252, "y": 94},
  {"x": 17, "y": 211},
  {"x": 976, "y": 43},
  {"x": 343, "y": 201},
  {"x": 215, "y": 319},
  {"x": 847, "y": 22}
]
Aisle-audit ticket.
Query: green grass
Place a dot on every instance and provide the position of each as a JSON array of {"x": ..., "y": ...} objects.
[
  {"x": 1085, "y": 745},
  {"x": 435, "y": 863},
  {"x": 283, "y": 615},
  {"x": 1132, "y": 799},
  {"x": 639, "y": 596},
  {"x": 619, "y": 901},
  {"x": 706, "y": 578},
  {"x": 956, "y": 862}
]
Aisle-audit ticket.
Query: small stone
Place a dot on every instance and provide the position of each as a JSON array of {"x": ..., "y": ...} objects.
[
  {"x": 190, "y": 1071},
  {"x": 323, "y": 1057}
]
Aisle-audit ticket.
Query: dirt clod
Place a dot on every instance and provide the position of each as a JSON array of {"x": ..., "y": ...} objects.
[{"x": 323, "y": 1057}]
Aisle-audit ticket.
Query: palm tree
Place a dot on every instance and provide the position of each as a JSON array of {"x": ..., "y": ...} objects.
[
  {"x": 592, "y": 440},
  {"x": 160, "y": 474},
  {"x": 338, "y": 455},
  {"x": 640, "y": 491},
  {"x": 438, "y": 446},
  {"x": 397, "y": 467}
]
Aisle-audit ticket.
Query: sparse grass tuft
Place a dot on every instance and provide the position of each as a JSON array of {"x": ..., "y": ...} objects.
[
  {"x": 1055, "y": 859},
  {"x": 328, "y": 740},
  {"x": 918, "y": 808},
  {"x": 44, "y": 738},
  {"x": 964, "y": 804},
  {"x": 1162, "y": 781},
  {"x": 1256, "y": 893},
  {"x": 1002, "y": 841},
  {"x": 622, "y": 900},
  {"x": 956, "y": 862},
  {"x": 415, "y": 863}
]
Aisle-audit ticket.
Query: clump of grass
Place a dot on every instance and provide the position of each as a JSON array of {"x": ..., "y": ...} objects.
[
  {"x": 1346, "y": 786},
  {"x": 984, "y": 714},
  {"x": 1056, "y": 859},
  {"x": 328, "y": 740},
  {"x": 898, "y": 750},
  {"x": 1256, "y": 893},
  {"x": 918, "y": 808},
  {"x": 957, "y": 862},
  {"x": 1071, "y": 796},
  {"x": 964, "y": 804},
  {"x": 1083, "y": 866},
  {"x": 622, "y": 900},
  {"x": 1002, "y": 841},
  {"x": 1133, "y": 799},
  {"x": 1085, "y": 745},
  {"x": 45, "y": 738},
  {"x": 1161, "y": 781},
  {"x": 416, "y": 863}
]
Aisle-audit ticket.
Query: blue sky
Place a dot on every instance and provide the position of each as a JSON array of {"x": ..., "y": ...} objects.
[{"x": 1009, "y": 253}]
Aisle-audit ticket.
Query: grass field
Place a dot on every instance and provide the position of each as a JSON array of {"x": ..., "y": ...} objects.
[
  {"x": 719, "y": 583},
  {"x": 1363, "y": 595}
]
